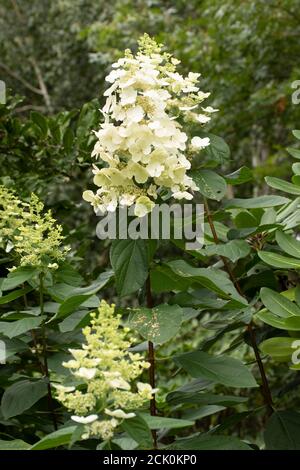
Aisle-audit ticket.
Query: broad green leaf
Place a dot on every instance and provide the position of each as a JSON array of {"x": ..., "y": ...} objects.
[
  {"x": 221, "y": 369},
  {"x": 287, "y": 243},
  {"x": 284, "y": 212},
  {"x": 76, "y": 320},
  {"x": 68, "y": 139},
  {"x": 278, "y": 304},
  {"x": 55, "y": 439},
  {"x": 282, "y": 185},
  {"x": 67, "y": 274},
  {"x": 63, "y": 292},
  {"x": 70, "y": 305},
  {"x": 221, "y": 229},
  {"x": 272, "y": 319},
  {"x": 15, "y": 444},
  {"x": 294, "y": 152},
  {"x": 5, "y": 299},
  {"x": 240, "y": 176},
  {"x": 163, "y": 279},
  {"x": 296, "y": 180},
  {"x": 125, "y": 443},
  {"x": 297, "y": 295},
  {"x": 279, "y": 261},
  {"x": 296, "y": 133},
  {"x": 41, "y": 122},
  {"x": 244, "y": 219},
  {"x": 138, "y": 429},
  {"x": 268, "y": 217},
  {"x": 283, "y": 431},
  {"x": 158, "y": 324},
  {"x": 18, "y": 327},
  {"x": 210, "y": 184},
  {"x": 14, "y": 346},
  {"x": 257, "y": 202},
  {"x": 211, "y": 278},
  {"x": 209, "y": 442},
  {"x": 157, "y": 422},
  {"x": 292, "y": 323},
  {"x": 22, "y": 395},
  {"x": 218, "y": 150},
  {"x": 234, "y": 250},
  {"x": 177, "y": 397},
  {"x": 280, "y": 348},
  {"x": 203, "y": 412},
  {"x": 17, "y": 277},
  {"x": 129, "y": 259},
  {"x": 56, "y": 130}
]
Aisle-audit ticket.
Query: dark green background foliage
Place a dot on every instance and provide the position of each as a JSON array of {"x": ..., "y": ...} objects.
[{"x": 220, "y": 312}]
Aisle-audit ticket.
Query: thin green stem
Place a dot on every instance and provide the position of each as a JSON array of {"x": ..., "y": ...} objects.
[
  {"x": 34, "y": 338},
  {"x": 46, "y": 369}
]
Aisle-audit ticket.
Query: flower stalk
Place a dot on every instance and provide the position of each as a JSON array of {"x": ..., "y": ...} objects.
[
  {"x": 45, "y": 365},
  {"x": 151, "y": 359}
]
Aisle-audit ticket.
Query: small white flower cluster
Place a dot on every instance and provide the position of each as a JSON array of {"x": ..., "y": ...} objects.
[
  {"x": 30, "y": 234},
  {"x": 141, "y": 140},
  {"x": 106, "y": 369}
]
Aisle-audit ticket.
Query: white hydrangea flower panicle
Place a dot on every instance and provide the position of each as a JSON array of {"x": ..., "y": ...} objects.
[
  {"x": 107, "y": 372},
  {"x": 31, "y": 235},
  {"x": 141, "y": 143}
]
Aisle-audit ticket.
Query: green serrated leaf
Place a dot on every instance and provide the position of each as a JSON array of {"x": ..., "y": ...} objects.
[
  {"x": 218, "y": 151},
  {"x": 211, "y": 278},
  {"x": 210, "y": 184},
  {"x": 296, "y": 133},
  {"x": 40, "y": 121},
  {"x": 15, "y": 444},
  {"x": 21, "y": 396},
  {"x": 18, "y": 276},
  {"x": 129, "y": 259},
  {"x": 18, "y": 327},
  {"x": 221, "y": 369},
  {"x": 158, "y": 324},
  {"x": 157, "y": 422}
]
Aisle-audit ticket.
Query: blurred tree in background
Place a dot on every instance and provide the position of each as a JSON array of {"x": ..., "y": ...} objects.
[{"x": 57, "y": 53}]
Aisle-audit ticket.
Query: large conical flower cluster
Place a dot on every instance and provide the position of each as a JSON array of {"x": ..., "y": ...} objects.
[{"x": 141, "y": 139}]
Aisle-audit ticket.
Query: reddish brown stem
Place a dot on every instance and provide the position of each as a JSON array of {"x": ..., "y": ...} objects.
[
  {"x": 151, "y": 359},
  {"x": 265, "y": 388}
]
